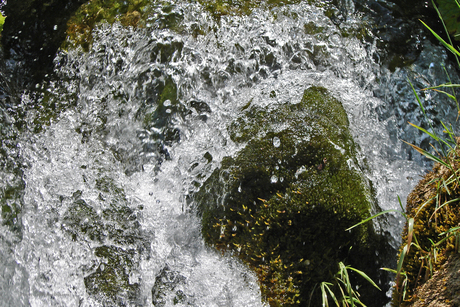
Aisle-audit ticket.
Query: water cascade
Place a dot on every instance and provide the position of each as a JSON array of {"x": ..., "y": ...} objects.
[{"x": 100, "y": 163}]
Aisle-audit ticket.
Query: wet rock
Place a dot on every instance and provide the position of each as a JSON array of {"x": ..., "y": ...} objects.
[
  {"x": 443, "y": 288},
  {"x": 119, "y": 242},
  {"x": 282, "y": 204},
  {"x": 111, "y": 280},
  {"x": 398, "y": 29},
  {"x": 168, "y": 288},
  {"x": 81, "y": 25},
  {"x": 34, "y": 30}
]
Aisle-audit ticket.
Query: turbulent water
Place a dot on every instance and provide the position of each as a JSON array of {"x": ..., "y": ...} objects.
[{"x": 101, "y": 177}]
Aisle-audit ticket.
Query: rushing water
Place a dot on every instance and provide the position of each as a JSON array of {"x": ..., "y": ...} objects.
[{"x": 100, "y": 176}]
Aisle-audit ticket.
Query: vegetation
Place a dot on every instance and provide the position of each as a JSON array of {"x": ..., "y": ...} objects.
[
  {"x": 80, "y": 26},
  {"x": 432, "y": 234},
  {"x": 2, "y": 21},
  {"x": 450, "y": 12}
]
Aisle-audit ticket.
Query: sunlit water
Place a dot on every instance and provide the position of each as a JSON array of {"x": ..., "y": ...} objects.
[{"x": 101, "y": 133}]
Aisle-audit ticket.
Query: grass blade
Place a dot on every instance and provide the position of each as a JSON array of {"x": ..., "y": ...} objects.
[
  {"x": 439, "y": 38},
  {"x": 417, "y": 97},
  {"x": 425, "y": 131},
  {"x": 364, "y": 275},
  {"x": 372, "y": 217},
  {"x": 428, "y": 155}
]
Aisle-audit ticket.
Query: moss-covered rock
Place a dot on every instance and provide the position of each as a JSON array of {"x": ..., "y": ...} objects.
[
  {"x": 119, "y": 241},
  {"x": 282, "y": 204},
  {"x": 435, "y": 208},
  {"x": 80, "y": 26}
]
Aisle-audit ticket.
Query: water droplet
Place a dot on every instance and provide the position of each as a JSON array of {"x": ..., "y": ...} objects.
[
  {"x": 276, "y": 141},
  {"x": 274, "y": 179}
]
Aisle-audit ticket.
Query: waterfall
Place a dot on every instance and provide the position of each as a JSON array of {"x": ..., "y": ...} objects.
[{"x": 100, "y": 162}]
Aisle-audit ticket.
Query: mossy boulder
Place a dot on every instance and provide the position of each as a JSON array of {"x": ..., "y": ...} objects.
[
  {"x": 283, "y": 203},
  {"x": 434, "y": 206}
]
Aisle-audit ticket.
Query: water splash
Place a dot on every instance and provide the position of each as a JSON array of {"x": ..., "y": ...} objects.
[{"x": 148, "y": 110}]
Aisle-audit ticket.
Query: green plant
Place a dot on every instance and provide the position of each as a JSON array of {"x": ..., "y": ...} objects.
[
  {"x": 348, "y": 295},
  {"x": 2, "y": 21}
]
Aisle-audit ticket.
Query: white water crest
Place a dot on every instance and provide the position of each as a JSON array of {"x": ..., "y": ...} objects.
[{"x": 115, "y": 128}]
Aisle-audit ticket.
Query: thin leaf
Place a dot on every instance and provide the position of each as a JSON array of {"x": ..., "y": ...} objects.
[
  {"x": 372, "y": 217},
  {"x": 453, "y": 229},
  {"x": 446, "y": 203},
  {"x": 428, "y": 155},
  {"x": 400, "y": 261},
  {"x": 445, "y": 186},
  {"x": 450, "y": 132},
  {"x": 364, "y": 275},
  {"x": 402, "y": 208},
  {"x": 448, "y": 46},
  {"x": 449, "y": 85},
  {"x": 445, "y": 27},
  {"x": 324, "y": 287},
  {"x": 424, "y": 204},
  {"x": 425, "y": 131},
  {"x": 446, "y": 93},
  {"x": 417, "y": 97}
]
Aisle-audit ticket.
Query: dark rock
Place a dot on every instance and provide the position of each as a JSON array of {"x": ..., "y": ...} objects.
[{"x": 34, "y": 30}]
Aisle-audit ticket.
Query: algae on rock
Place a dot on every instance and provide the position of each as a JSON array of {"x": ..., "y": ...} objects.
[{"x": 283, "y": 203}]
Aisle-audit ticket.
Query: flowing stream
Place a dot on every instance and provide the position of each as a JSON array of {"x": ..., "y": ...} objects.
[{"x": 97, "y": 184}]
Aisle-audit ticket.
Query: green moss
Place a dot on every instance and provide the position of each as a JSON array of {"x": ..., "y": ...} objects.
[
  {"x": 80, "y": 26},
  {"x": 220, "y": 8},
  {"x": 283, "y": 203},
  {"x": 430, "y": 220}
]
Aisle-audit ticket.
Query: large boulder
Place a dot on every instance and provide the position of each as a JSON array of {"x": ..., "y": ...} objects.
[{"x": 283, "y": 203}]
